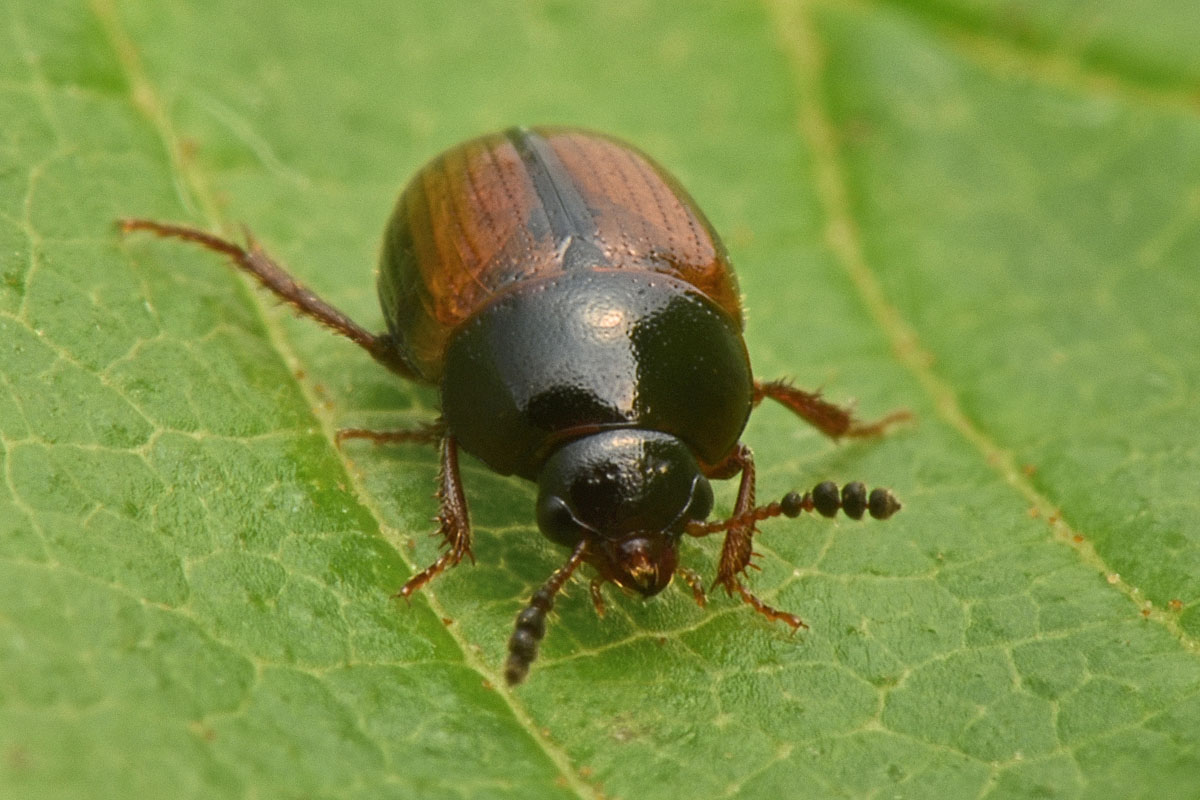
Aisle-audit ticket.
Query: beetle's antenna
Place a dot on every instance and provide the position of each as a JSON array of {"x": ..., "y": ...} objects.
[
  {"x": 531, "y": 623},
  {"x": 825, "y": 499}
]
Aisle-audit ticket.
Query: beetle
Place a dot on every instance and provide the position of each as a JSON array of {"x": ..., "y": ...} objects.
[{"x": 582, "y": 323}]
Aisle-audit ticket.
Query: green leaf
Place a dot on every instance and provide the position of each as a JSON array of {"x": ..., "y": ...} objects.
[{"x": 986, "y": 212}]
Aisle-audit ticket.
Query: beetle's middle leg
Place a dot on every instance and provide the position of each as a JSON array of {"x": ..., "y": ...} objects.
[
  {"x": 453, "y": 520},
  {"x": 426, "y": 433},
  {"x": 832, "y": 420}
]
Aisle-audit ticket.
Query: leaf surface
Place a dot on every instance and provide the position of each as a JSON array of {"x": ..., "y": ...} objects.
[{"x": 986, "y": 212}]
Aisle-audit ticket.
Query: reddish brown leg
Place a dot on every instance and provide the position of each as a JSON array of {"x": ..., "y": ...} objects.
[
  {"x": 531, "y": 623},
  {"x": 428, "y": 433},
  {"x": 832, "y": 420},
  {"x": 737, "y": 551},
  {"x": 453, "y": 521},
  {"x": 594, "y": 589},
  {"x": 258, "y": 264},
  {"x": 695, "y": 583},
  {"x": 770, "y": 612}
]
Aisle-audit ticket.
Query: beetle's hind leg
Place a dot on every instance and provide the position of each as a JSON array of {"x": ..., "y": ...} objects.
[
  {"x": 254, "y": 261},
  {"x": 453, "y": 520},
  {"x": 832, "y": 420}
]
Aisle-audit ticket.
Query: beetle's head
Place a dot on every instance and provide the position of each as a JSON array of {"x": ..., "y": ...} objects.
[{"x": 629, "y": 493}]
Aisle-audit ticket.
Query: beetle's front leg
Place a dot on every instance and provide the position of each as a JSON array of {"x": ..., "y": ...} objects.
[
  {"x": 737, "y": 552},
  {"x": 453, "y": 520}
]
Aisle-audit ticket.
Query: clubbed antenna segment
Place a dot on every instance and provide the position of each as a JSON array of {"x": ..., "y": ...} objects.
[
  {"x": 853, "y": 500},
  {"x": 825, "y": 498}
]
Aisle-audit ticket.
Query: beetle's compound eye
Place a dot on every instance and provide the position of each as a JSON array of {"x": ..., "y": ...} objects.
[{"x": 557, "y": 522}]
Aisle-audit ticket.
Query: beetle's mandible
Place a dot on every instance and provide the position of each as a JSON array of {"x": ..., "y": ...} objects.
[{"x": 582, "y": 323}]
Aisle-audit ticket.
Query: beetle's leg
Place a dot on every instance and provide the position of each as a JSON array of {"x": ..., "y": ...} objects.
[
  {"x": 737, "y": 551},
  {"x": 255, "y": 261},
  {"x": 695, "y": 583},
  {"x": 728, "y": 467},
  {"x": 832, "y": 420},
  {"x": 427, "y": 433},
  {"x": 453, "y": 522},
  {"x": 531, "y": 622},
  {"x": 770, "y": 612},
  {"x": 597, "y": 596}
]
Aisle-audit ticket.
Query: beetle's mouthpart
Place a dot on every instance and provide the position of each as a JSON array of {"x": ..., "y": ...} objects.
[{"x": 645, "y": 564}]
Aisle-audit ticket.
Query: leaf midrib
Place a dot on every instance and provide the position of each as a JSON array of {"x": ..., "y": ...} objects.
[
  {"x": 795, "y": 32},
  {"x": 195, "y": 192}
]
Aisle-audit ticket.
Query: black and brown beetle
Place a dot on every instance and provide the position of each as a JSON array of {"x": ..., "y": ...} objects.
[{"x": 582, "y": 323}]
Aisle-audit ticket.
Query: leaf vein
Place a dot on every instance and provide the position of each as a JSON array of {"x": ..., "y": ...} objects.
[{"x": 792, "y": 20}]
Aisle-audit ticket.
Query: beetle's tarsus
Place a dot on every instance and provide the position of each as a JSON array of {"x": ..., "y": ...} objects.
[{"x": 770, "y": 612}]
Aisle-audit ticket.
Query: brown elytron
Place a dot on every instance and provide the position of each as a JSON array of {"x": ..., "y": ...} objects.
[{"x": 570, "y": 199}]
